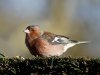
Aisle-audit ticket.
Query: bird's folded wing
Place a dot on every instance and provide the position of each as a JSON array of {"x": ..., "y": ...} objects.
[{"x": 55, "y": 39}]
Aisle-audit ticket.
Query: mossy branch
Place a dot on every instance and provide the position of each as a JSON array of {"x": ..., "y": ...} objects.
[{"x": 52, "y": 66}]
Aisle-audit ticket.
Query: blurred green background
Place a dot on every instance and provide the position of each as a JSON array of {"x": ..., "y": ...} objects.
[{"x": 76, "y": 19}]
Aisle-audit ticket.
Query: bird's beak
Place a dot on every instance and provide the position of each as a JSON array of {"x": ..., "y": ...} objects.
[{"x": 26, "y": 31}]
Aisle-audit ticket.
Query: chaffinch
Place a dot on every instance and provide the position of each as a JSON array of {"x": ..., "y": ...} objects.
[{"x": 46, "y": 43}]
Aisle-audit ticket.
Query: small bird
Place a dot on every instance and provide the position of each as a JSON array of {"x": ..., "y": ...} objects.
[{"x": 47, "y": 44}]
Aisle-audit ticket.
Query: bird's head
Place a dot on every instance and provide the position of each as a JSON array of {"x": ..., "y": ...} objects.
[{"x": 33, "y": 31}]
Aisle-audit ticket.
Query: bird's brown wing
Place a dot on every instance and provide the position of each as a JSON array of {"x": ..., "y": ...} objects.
[
  {"x": 55, "y": 39},
  {"x": 48, "y": 36}
]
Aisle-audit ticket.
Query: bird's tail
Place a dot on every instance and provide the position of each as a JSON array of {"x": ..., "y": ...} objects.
[{"x": 83, "y": 42}]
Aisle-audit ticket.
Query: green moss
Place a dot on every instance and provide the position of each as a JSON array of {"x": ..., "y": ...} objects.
[{"x": 52, "y": 65}]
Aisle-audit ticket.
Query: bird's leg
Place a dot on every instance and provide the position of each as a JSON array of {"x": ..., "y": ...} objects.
[{"x": 51, "y": 63}]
